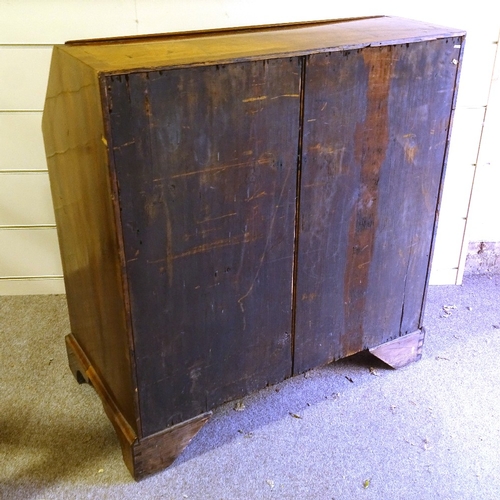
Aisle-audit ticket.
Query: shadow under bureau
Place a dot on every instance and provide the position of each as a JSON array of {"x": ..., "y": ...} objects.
[{"x": 237, "y": 206}]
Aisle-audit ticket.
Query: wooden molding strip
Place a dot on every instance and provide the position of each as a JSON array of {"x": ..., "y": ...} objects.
[
  {"x": 213, "y": 31},
  {"x": 79, "y": 362},
  {"x": 144, "y": 456}
]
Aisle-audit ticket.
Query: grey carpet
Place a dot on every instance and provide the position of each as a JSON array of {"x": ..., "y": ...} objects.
[{"x": 428, "y": 431}]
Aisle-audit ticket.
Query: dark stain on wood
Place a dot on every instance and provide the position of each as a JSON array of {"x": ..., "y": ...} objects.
[
  {"x": 207, "y": 196},
  {"x": 225, "y": 223},
  {"x": 375, "y": 137},
  {"x": 156, "y": 452}
]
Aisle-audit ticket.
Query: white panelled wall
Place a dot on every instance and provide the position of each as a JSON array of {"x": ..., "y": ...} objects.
[{"x": 29, "y": 255}]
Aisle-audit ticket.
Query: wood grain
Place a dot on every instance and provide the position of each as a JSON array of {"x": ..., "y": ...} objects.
[
  {"x": 256, "y": 44},
  {"x": 237, "y": 207},
  {"x": 82, "y": 195},
  {"x": 371, "y": 178},
  {"x": 145, "y": 456},
  {"x": 205, "y": 160},
  {"x": 155, "y": 453}
]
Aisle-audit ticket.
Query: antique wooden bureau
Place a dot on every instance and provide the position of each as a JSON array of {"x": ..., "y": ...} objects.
[{"x": 237, "y": 206}]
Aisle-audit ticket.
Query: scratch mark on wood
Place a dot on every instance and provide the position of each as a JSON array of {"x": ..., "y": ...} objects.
[
  {"x": 252, "y": 99},
  {"x": 314, "y": 184},
  {"x": 122, "y": 145},
  {"x": 256, "y": 196},
  {"x": 363, "y": 264},
  {"x": 216, "y": 170},
  {"x": 270, "y": 232},
  {"x": 170, "y": 261},
  {"x": 206, "y": 247},
  {"x": 284, "y": 95},
  {"x": 216, "y": 218}
]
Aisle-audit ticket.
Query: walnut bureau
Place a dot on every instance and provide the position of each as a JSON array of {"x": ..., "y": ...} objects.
[{"x": 237, "y": 206}]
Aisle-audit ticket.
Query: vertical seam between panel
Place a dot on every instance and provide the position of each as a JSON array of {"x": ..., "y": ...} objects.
[{"x": 302, "y": 84}]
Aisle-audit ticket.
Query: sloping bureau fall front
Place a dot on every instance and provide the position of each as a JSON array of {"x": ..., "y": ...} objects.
[{"x": 235, "y": 207}]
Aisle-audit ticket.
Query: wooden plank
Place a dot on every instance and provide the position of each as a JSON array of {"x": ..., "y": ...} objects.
[
  {"x": 368, "y": 196},
  {"x": 25, "y": 199},
  {"x": 477, "y": 64},
  {"x": 464, "y": 143},
  {"x": 489, "y": 153},
  {"x": 25, "y": 72},
  {"x": 448, "y": 245},
  {"x": 203, "y": 50},
  {"x": 461, "y": 167},
  {"x": 36, "y": 285},
  {"x": 55, "y": 21},
  {"x": 485, "y": 206},
  {"x": 29, "y": 252},
  {"x": 488, "y": 164},
  {"x": 159, "y": 17},
  {"x": 82, "y": 194},
  {"x": 21, "y": 141},
  {"x": 206, "y": 160},
  {"x": 445, "y": 275}
]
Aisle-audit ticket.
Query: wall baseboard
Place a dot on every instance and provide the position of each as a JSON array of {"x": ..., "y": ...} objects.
[{"x": 32, "y": 285}]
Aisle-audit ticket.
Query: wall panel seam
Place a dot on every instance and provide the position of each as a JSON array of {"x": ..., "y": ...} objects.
[
  {"x": 26, "y": 45},
  {"x": 27, "y": 171},
  {"x": 27, "y": 226},
  {"x": 20, "y": 110},
  {"x": 32, "y": 278}
]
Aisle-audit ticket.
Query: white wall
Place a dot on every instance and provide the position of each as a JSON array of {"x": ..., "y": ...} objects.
[
  {"x": 484, "y": 217},
  {"x": 29, "y": 256}
]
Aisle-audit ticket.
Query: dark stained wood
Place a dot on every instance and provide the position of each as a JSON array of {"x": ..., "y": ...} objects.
[
  {"x": 206, "y": 163},
  {"x": 156, "y": 452},
  {"x": 375, "y": 134},
  {"x": 141, "y": 456},
  {"x": 239, "y": 206},
  {"x": 402, "y": 351}
]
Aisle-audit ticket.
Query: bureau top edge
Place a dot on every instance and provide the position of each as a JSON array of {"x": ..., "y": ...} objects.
[{"x": 221, "y": 46}]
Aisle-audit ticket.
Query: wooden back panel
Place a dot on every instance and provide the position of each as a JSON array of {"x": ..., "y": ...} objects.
[
  {"x": 174, "y": 165},
  {"x": 206, "y": 165},
  {"x": 376, "y": 125}
]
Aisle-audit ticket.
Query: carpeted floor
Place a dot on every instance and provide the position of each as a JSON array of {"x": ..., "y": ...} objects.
[{"x": 358, "y": 430}]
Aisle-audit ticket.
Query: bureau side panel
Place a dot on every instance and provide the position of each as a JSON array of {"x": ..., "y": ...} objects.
[
  {"x": 206, "y": 164},
  {"x": 77, "y": 159},
  {"x": 375, "y": 132}
]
